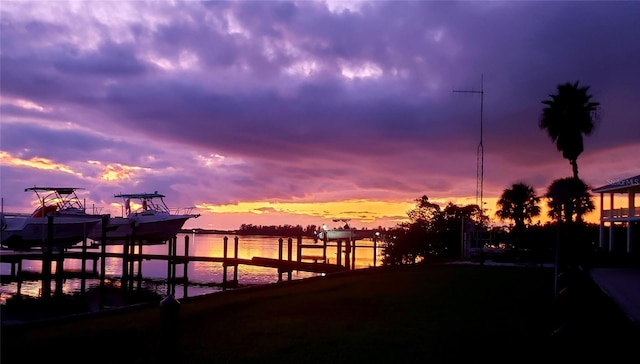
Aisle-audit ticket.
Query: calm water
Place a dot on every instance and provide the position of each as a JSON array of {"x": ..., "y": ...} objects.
[{"x": 203, "y": 276}]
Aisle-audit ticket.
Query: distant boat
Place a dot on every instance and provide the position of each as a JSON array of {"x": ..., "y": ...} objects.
[
  {"x": 70, "y": 223},
  {"x": 344, "y": 232},
  {"x": 147, "y": 219}
]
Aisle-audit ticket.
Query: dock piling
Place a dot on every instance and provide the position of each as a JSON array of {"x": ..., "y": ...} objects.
[
  {"x": 235, "y": 255},
  {"x": 170, "y": 325},
  {"x": 185, "y": 271},
  {"x": 224, "y": 263},
  {"x": 280, "y": 241},
  {"x": 289, "y": 256}
]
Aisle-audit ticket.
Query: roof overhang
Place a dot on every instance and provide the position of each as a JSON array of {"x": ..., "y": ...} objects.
[{"x": 627, "y": 185}]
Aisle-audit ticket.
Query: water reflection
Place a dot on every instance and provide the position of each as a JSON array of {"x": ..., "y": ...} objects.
[{"x": 204, "y": 277}]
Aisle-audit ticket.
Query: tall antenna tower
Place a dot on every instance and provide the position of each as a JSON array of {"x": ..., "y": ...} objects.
[{"x": 480, "y": 151}]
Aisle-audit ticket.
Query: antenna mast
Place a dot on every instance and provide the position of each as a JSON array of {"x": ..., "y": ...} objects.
[{"x": 480, "y": 151}]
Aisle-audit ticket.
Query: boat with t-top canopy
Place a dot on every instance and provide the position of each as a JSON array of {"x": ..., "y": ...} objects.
[
  {"x": 146, "y": 219},
  {"x": 59, "y": 220}
]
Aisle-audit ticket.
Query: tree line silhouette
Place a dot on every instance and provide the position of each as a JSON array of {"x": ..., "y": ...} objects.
[{"x": 434, "y": 232}]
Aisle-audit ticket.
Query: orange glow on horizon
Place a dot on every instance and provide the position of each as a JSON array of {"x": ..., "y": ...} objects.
[{"x": 361, "y": 212}]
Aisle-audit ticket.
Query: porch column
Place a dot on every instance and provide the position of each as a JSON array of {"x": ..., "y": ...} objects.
[
  {"x": 601, "y": 229},
  {"x": 630, "y": 216},
  {"x": 611, "y": 223}
]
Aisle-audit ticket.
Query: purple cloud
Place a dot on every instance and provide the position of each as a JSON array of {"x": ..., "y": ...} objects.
[{"x": 279, "y": 101}]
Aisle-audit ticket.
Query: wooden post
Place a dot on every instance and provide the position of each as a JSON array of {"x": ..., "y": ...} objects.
[
  {"x": 353, "y": 255},
  {"x": 131, "y": 261},
  {"x": 131, "y": 249},
  {"x": 139, "y": 287},
  {"x": 83, "y": 262},
  {"x": 290, "y": 257},
  {"x": 59, "y": 272},
  {"x": 46, "y": 262},
  {"x": 324, "y": 249},
  {"x": 185, "y": 272},
  {"x": 347, "y": 254},
  {"x": 280, "y": 241},
  {"x": 235, "y": 255},
  {"x": 125, "y": 264},
  {"x": 375, "y": 248},
  {"x": 224, "y": 263},
  {"x": 169, "y": 254},
  {"x": 174, "y": 254},
  {"x": 103, "y": 263},
  {"x": 299, "y": 249},
  {"x": 339, "y": 258},
  {"x": 170, "y": 328},
  {"x": 19, "y": 278}
]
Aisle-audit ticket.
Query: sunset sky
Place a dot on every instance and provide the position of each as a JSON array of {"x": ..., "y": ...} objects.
[{"x": 298, "y": 112}]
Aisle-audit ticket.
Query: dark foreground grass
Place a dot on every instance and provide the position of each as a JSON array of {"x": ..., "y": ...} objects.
[{"x": 410, "y": 314}]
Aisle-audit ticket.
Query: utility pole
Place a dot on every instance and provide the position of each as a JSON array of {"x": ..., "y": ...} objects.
[{"x": 480, "y": 151}]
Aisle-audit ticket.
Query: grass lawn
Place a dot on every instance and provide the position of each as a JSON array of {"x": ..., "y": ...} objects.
[{"x": 422, "y": 313}]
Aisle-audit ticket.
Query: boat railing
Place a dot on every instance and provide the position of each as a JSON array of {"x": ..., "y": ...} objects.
[
  {"x": 620, "y": 213},
  {"x": 94, "y": 210},
  {"x": 181, "y": 210}
]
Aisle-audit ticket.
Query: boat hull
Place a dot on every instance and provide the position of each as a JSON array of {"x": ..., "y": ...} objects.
[
  {"x": 345, "y": 234},
  {"x": 152, "y": 229},
  {"x": 25, "y": 232}
]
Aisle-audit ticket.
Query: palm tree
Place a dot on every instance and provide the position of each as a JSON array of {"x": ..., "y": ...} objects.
[
  {"x": 567, "y": 116},
  {"x": 567, "y": 197},
  {"x": 518, "y": 203}
]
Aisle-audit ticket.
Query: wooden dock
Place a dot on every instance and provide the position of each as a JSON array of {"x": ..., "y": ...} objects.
[
  {"x": 92, "y": 256},
  {"x": 310, "y": 258}
]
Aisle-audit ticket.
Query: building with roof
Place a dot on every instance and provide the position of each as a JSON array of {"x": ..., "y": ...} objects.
[{"x": 627, "y": 215}]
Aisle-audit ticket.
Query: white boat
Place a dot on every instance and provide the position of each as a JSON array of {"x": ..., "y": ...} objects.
[
  {"x": 59, "y": 220},
  {"x": 344, "y": 232},
  {"x": 146, "y": 219}
]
